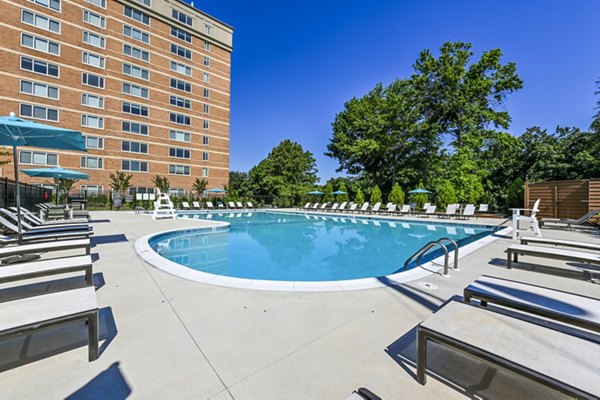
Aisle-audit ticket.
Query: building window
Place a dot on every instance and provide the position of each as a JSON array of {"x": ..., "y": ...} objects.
[
  {"x": 134, "y": 147},
  {"x": 99, "y": 3},
  {"x": 205, "y": 140},
  {"x": 91, "y": 190},
  {"x": 94, "y": 19},
  {"x": 178, "y": 152},
  {"x": 136, "y": 52},
  {"x": 92, "y": 121},
  {"x": 205, "y": 156},
  {"x": 180, "y": 102},
  {"x": 39, "y": 89},
  {"x": 91, "y": 162},
  {"x": 39, "y": 67},
  {"x": 181, "y": 34},
  {"x": 134, "y": 127},
  {"x": 40, "y": 44},
  {"x": 136, "y": 15},
  {"x": 92, "y": 80},
  {"x": 135, "y": 90},
  {"x": 51, "y": 4},
  {"x": 135, "y": 109},
  {"x": 93, "y": 39},
  {"x": 39, "y": 112},
  {"x": 180, "y": 136},
  {"x": 205, "y": 172},
  {"x": 179, "y": 169},
  {"x": 208, "y": 29},
  {"x": 91, "y": 100},
  {"x": 136, "y": 72},
  {"x": 144, "y": 2},
  {"x": 181, "y": 68},
  {"x": 206, "y": 93},
  {"x": 181, "y": 17},
  {"x": 136, "y": 34},
  {"x": 40, "y": 21},
  {"x": 206, "y": 45},
  {"x": 181, "y": 51},
  {"x": 180, "y": 119},
  {"x": 205, "y": 124},
  {"x": 206, "y": 77},
  {"x": 134, "y": 166},
  {"x": 205, "y": 108},
  {"x": 93, "y": 142},
  {"x": 181, "y": 85},
  {"x": 92, "y": 59},
  {"x": 206, "y": 62},
  {"x": 38, "y": 158}
]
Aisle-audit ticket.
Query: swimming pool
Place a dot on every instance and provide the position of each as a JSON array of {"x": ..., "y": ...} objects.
[{"x": 294, "y": 247}]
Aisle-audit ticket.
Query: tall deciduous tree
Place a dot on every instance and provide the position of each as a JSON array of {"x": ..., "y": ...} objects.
[
  {"x": 120, "y": 182},
  {"x": 287, "y": 173},
  {"x": 199, "y": 186}
]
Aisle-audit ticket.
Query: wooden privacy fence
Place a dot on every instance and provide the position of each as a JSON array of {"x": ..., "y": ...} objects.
[{"x": 564, "y": 199}]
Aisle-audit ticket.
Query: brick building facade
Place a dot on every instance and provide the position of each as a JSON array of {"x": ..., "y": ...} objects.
[{"x": 146, "y": 81}]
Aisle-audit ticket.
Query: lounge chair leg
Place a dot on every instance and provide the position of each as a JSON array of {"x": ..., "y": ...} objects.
[
  {"x": 89, "y": 276},
  {"x": 421, "y": 356},
  {"x": 509, "y": 260},
  {"x": 93, "y": 336}
]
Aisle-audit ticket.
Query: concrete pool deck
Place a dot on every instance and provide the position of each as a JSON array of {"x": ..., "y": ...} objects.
[{"x": 165, "y": 337}]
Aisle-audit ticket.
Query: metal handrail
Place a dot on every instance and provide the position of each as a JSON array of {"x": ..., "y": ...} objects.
[
  {"x": 425, "y": 249},
  {"x": 455, "y": 250}
]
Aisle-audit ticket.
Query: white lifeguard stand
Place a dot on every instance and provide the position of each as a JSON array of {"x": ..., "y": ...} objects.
[{"x": 163, "y": 207}]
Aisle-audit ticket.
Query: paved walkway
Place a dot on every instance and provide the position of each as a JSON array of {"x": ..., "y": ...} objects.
[{"x": 167, "y": 338}]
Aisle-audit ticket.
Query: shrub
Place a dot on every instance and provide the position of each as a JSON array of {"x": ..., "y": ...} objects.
[
  {"x": 396, "y": 195},
  {"x": 376, "y": 195},
  {"x": 359, "y": 198}
]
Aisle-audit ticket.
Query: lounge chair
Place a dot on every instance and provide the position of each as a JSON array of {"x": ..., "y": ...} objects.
[
  {"x": 426, "y": 207},
  {"x": 405, "y": 209},
  {"x": 324, "y": 206},
  {"x": 450, "y": 211},
  {"x": 41, "y": 228},
  {"x": 342, "y": 206},
  {"x": 391, "y": 208},
  {"x": 555, "y": 304},
  {"x": 196, "y": 205},
  {"x": 209, "y": 205},
  {"x": 220, "y": 204},
  {"x": 231, "y": 205},
  {"x": 468, "y": 212},
  {"x": 375, "y": 208},
  {"x": 239, "y": 204},
  {"x": 560, "y": 361},
  {"x": 249, "y": 204},
  {"x": 34, "y": 219},
  {"x": 55, "y": 266},
  {"x": 513, "y": 252},
  {"x": 334, "y": 207},
  {"x": 560, "y": 242},
  {"x": 185, "y": 205},
  {"x": 34, "y": 248},
  {"x": 583, "y": 221},
  {"x": 430, "y": 211},
  {"x": 364, "y": 207},
  {"x": 45, "y": 234},
  {"x": 315, "y": 206},
  {"x": 483, "y": 208},
  {"x": 37, "y": 312},
  {"x": 353, "y": 207}
]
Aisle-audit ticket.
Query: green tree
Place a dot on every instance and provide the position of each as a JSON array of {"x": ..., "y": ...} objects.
[
  {"x": 287, "y": 173},
  {"x": 515, "y": 194},
  {"x": 162, "y": 183},
  {"x": 64, "y": 185},
  {"x": 359, "y": 198},
  {"x": 396, "y": 195},
  {"x": 343, "y": 197},
  {"x": 120, "y": 182},
  {"x": 238, "y": 182},
  {"x": 328, "y": 193},
  {"x": 376, "y": 195},
  {"x": 419, "y": 198},
  {"x": 446, "y": 194},
  {"x": 199, "y": 186},
  {"x": 595, "y": 126}
]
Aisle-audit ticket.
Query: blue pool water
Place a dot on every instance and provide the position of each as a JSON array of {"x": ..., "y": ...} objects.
[{"x": 295, "y": 247}]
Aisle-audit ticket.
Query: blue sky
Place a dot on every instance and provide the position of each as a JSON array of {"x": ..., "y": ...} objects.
[{"x": 295, "y": 63}]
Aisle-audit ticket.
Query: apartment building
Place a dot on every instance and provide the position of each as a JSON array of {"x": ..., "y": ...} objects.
[{"x": 146, "y": 81}]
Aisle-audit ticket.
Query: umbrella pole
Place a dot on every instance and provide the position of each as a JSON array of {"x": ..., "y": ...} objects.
[{"x": 17, "y": 195}]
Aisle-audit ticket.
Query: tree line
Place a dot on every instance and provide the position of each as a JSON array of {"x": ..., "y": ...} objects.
[{"x": 444, "y": 128}]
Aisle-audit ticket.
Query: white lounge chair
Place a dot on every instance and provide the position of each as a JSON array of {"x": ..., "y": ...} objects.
[
  {"x": 209, "y": 205},
  {"x": 334, "y": 207},
  {"x": 375, "y": 208},
  {"x": 430, "y": 211},
  {"x": 231, "y": 204},
  {"x": 9, "y": 215},
  {"x": 249, "y": 204},
  {"x": 185, "y": 205},
  {"x": 483, "y": 208},
  {"x": 315, "y": 206},
  {"x": 342, "y": 206},
  {"x": 450, "y": 211},
  {"x": 38, "y": 312},
  {"x": 426, "y": 207},
  {"x": 405, "y": 209},
  {"x": 549, "y": 303},
  {"x": 324, "y": 206},
  {"x": 39, "y": 234},
  {"x": 196, "y": 205},
  {"x": 35, "y": 248},
  {"x": 35, "y": 220},
  {"x": 560, "y": 242},
  {"x": 353, "y": 207},
  {"x": 468, "y": 212},
  {"x": 364, "y": 207},
  {"x": 239, "y": 204},
  {"x": 391, "y": 208},
  {"x": 54, "y": 266},
  {"x": 569, "y": 223},
  {"x": 515, "y": 250},
  {"x": 515, "y": 344}
]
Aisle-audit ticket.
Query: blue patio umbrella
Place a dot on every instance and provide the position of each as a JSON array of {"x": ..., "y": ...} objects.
[
  {"x": 316, "y": 192},
  {"x": 339, "y": 192},
  {"x": 18, "y": 132},
  {"x": 419, "y": 191},
  {"x": 58, "y": 173},
  {"x": 216, "y": 190}
]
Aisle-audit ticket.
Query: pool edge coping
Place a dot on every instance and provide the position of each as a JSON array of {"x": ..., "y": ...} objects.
[{"x": 145, "y": 251}]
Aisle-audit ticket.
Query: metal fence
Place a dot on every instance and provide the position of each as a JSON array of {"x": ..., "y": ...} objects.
[{"x": 30, "y": 194}]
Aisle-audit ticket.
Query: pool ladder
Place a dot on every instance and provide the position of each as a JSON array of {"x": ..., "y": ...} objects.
[{"x": 437, "y": 243}]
